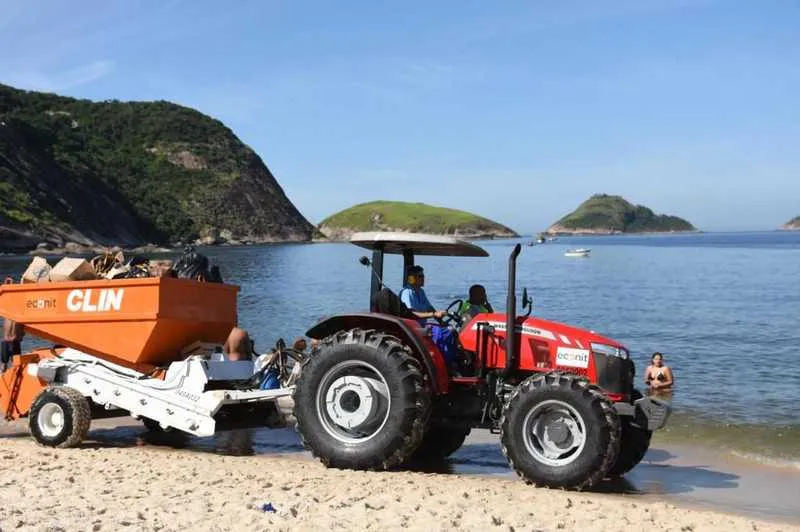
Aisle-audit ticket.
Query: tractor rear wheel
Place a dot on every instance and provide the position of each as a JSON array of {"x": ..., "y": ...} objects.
[
  {"x": 439, "y": 442},
  {"x": 361, "y": 401},
  {"x": 60, "y": 417},
  {"x": 559, "y": 431}
]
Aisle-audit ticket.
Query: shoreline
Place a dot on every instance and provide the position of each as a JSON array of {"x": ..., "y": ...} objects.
[
  {"x": 120, "y": 476},
  {"x": 82, "y": 250},
  {"x": 622, "y": 233}
]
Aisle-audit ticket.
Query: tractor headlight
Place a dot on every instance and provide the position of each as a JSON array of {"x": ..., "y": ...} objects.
[{"x": 610, "y": 350}]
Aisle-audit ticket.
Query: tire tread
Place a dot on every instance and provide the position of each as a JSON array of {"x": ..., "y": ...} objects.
[
  {"x": 401, "y": 446},
  {"x": 596, "y": 399}
]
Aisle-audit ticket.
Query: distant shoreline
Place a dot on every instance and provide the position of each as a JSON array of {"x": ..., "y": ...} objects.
[{"x": 623, "y": 233}]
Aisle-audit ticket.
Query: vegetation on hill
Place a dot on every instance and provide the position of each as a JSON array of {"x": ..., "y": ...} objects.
[
  {"x": 411, "y": 217},
  {"x": 794, "y": 223},
  {"x": 604, "y": 214},
  {"x": 128, "y": 172}
]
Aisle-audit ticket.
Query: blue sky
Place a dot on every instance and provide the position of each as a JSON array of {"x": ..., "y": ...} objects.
[{"x": 517, "y": 110}]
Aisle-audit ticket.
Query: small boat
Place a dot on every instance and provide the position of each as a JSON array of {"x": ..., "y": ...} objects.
[
  {"x": 552, "y": 239},
  {"x": 580, "y": 252}
]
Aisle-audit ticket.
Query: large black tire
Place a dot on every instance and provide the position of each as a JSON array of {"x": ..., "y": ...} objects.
[
  {"x": 60, "y": 417},
  {"x": 577, "y": 435},
  {"x": 634, "y": 444},
  {"x": 361, "y": 374},
  {"x": 439, "y": 442}
]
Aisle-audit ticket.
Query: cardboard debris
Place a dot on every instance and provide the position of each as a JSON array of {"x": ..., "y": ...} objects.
[
  {"x": 38, "y": 271},
  {"x": 69, "y": 269}
]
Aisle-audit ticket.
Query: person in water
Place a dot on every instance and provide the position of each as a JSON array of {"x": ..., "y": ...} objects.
[{"x": 658, "y": 375}]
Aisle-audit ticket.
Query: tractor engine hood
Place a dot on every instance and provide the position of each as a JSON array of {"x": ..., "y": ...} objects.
[{"x": 551, "y": 331}]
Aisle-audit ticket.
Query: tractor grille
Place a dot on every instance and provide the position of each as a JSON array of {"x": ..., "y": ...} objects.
[{"x": 614, "y": 374}]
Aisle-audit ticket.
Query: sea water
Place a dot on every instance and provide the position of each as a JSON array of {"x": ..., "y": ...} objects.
[{"x": 723, "y": 308}]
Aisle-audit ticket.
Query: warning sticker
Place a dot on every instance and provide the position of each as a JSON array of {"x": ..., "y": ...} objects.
[{"x": 574, "y": 358}]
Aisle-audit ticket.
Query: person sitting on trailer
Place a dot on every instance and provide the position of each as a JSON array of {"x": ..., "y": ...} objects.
[
  {"x": 413, "y": 295},
  {"x": 238, "y": 346},
  {"x": 13, "y": 333}
]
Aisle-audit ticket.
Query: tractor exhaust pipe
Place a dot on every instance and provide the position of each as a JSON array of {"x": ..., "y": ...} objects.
[{"x": 511, "y": 313}]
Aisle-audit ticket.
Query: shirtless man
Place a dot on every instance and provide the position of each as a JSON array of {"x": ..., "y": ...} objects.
[{"x": 238, "y": 346}]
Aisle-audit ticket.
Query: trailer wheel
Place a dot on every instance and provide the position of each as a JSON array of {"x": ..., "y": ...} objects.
[
  {"x": 439, "y": 442},
  {"x": 559, "y": 431},
  {"x": 60, "y": 417},
  {"x": 361, "y": 401}
]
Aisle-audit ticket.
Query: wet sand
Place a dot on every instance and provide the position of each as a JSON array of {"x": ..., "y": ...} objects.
[{"x": 122, "y": 477}]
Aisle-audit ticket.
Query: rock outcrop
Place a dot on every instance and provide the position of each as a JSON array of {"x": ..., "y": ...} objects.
[
  {"x": 603, "y": 214},
  {"x": 792, "y": 225}
]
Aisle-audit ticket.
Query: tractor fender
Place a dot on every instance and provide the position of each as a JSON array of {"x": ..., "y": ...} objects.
[{"x": 409, "y": 332}]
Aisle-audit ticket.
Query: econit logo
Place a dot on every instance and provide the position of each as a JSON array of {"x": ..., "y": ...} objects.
[
  {"x": 40, "y": 303},
  {"x": 87, "y": 300}
]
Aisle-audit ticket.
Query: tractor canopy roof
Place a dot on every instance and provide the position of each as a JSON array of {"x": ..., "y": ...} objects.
[{"x": 418, "y": 244}]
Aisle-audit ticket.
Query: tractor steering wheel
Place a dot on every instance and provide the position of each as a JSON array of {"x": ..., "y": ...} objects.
[{"x": 452, "y": 313}]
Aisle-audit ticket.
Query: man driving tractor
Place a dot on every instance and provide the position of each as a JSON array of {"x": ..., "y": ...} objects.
[{"x": 413, "y": 295}]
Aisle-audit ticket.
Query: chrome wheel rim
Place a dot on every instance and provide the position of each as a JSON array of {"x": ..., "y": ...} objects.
[
  {"x": 51, "y": 420},
  {"x": 554, "y": 433},
  {"x": 353, "y": 401}
]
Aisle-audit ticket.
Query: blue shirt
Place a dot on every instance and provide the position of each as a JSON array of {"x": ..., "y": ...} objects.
[{"x": 415, "y": 299}]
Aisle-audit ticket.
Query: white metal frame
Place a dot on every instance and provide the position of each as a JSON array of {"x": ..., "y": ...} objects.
[{"x": 179, "y": 401}]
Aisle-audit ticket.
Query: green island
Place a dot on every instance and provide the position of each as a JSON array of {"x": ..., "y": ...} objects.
[
  {"x": 410, "y": 217},
  {"x": 130, "y": 173},
  {"x": 607, "y": 214},
  {"x": 793, "y": 224}
]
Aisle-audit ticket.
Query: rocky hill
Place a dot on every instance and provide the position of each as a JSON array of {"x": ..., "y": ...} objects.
[
  {"x": 793, "y": 224},
  {"x": 605, "y": 214},
  {"x": 410, "y": 217},
  {"x": 130, "y": 173}
]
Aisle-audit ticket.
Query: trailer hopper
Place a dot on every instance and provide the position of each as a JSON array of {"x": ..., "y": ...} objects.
[{"x": 130, "y": 321}]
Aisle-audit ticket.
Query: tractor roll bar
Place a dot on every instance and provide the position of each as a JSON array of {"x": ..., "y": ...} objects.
[{"x": 511, "y": 312}]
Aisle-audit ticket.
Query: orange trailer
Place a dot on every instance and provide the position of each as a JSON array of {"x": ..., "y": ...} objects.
[{"x": 123, "y": 344}]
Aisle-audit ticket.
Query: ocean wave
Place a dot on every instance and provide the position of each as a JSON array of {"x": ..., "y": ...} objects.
[{"x": 767, "y": 460}]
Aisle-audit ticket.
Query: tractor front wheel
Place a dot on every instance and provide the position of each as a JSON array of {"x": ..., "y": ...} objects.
[
  {"x": 60, "y": 417},
  {"x": 634, "y": 444},
  {"x": 559, "y": 431},
  {"x": 361, "y": 401}
]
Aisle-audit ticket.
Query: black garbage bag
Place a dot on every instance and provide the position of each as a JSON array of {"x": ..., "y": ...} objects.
[{"x": 194, "y": 265}]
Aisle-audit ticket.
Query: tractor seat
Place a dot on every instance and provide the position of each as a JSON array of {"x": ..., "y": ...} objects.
[{"x": 387, "y": 302}]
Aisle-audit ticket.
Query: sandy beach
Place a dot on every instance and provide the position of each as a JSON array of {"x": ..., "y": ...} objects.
[{"x": 118, "y": 481}]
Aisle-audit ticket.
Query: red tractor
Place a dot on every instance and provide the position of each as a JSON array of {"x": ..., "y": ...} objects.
[{"x": 378, "y": 393}]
